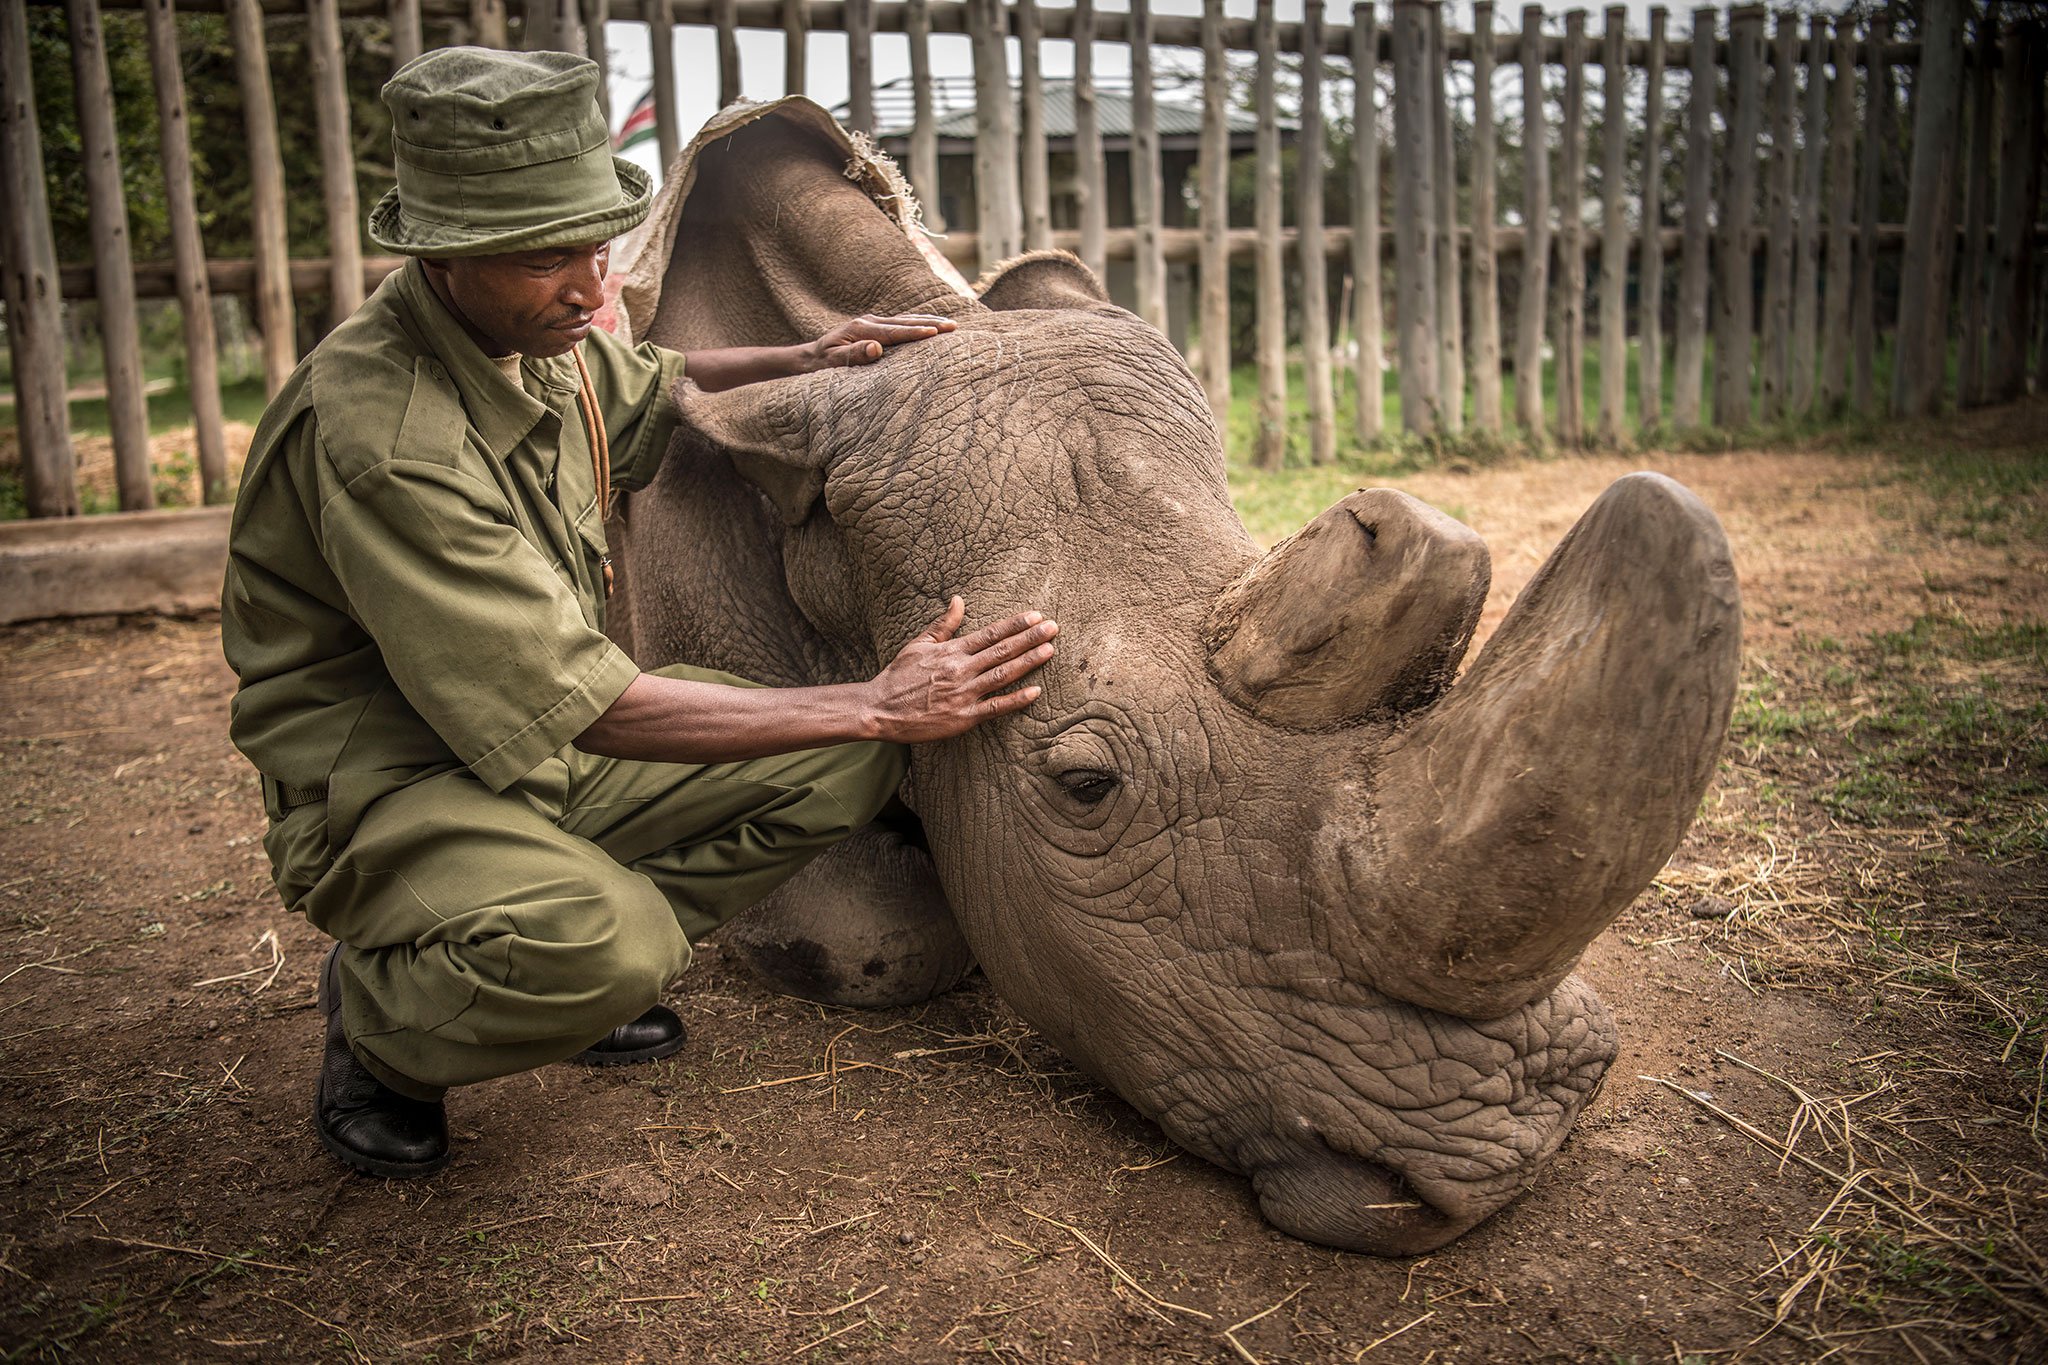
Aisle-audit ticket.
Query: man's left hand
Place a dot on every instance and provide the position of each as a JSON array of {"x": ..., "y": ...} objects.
[{"x": 861, "y": 340}]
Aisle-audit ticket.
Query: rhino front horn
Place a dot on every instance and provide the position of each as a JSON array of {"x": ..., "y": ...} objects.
[
  {"x": 1367, "y": 610},
  {"x": 1512, "y": 821}
]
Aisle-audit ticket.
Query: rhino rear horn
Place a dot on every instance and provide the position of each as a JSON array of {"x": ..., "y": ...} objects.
[
  {"x": 1366, "y": 611},
  {"x": 1516, "y": 818}
]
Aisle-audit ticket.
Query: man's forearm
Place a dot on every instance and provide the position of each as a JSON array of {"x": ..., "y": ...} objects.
[
  {"x": 728, "y": 367},
  {"x": 676, "y": 720}
]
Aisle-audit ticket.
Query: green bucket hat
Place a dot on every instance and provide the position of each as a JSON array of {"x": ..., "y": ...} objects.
[{"x": 502, "y": 151}]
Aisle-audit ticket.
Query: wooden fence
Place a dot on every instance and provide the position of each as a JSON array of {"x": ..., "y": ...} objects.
[{"x": 1779, "y": 155}]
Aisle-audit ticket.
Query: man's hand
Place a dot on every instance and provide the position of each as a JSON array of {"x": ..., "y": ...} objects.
[
  {"x": 938, "y": 687},
  {"x": 861, "y": 340}
]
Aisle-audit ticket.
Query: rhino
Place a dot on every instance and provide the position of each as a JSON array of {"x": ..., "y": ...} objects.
[{"x": 1260, "y": 859}]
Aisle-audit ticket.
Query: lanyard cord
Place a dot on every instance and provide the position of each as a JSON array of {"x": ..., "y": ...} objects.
[{"x": 600, "y": 453}]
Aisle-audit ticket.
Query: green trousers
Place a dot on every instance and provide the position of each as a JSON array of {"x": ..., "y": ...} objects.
[{"x": 487, "y": 933}]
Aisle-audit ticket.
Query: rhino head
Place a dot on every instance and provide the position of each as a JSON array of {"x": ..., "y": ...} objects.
[{"x": 1253, "y": 859}]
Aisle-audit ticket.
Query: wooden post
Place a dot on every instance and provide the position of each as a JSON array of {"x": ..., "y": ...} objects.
[
  {"x": 188, "y": 251},
  {"x": 1920, "y": 359},
  {"x": 1983, "y": 85},
  {"x": 487, "y": 24},
  {"x": 1000, "y": 229},
  {"x": 661, "y": 42},
  {"x": 1415, "y": 304},
  {"x": 1485, "y": 281},
  {"x": 1691, "y": 348},
  {"x": 1214, "y": 175},
  {"x": 1806, "y": 279},
  {"x": 2013, "y": 266},
  {"x": 1091, "y": 179},
  {"x": 924, "y": 136},
  {"x": 120, "y": 326},
  {"x": 1032, "y": 172},
  {"x": 1834, "y": 340},
  {"x": 1532, "y": 307},
  {"x": 597, "y": 14},
  {"x": 1778, "y": 252},
  {"x": 28, "y": 270},
  {"x": 1571, "y": 242},
  {"x": 1877, "y": 80},
  {"x": 1650, "y": 271},
  {"x": 1269, "y": 444},
  {"x": 725, "y": 22},
  {"x": 1370, "y": 415},
  {"x": 1734, "y": 307},
  {"x": 1613, "y": 226},
  {"x": 542, "y": 33},
  {"x": 860, "y": 65},
  {"x": 1450, "y": 322},
  {"x": 796, "y": 34},
  {"x": 1147, "y": 192},
  {"x": 406, "y": 42},
  {"x": 337, "y": 160},
  {"x": 1315, "y": 264}
]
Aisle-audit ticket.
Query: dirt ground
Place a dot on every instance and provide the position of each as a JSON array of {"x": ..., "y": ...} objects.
[{"x": 1824, "y": 1137}]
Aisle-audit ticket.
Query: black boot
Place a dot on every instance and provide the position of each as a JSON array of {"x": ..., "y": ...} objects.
[
  {"x": 363, "y": 1121},
  {"x": 655, "y": 1034}
]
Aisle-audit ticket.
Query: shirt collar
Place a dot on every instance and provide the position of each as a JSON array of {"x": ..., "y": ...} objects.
[{"x": 502, "y": 412}]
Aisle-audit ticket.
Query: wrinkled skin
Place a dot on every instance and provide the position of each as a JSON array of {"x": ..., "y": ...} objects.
[{"x": 1247, "y": 861}]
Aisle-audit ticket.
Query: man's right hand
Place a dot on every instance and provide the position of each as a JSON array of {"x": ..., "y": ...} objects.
[{"x": 939, "y": 686}]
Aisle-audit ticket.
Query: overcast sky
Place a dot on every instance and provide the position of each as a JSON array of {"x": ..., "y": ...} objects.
[{"x": 761, "y": 51}]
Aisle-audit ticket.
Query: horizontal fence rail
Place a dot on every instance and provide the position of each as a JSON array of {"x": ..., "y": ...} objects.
[{"x": 1762, "y": 199}]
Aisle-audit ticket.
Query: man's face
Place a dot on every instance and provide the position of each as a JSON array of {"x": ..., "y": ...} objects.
[{"x": 538, "y": 303}]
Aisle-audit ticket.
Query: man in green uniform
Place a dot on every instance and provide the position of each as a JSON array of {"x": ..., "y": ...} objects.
[{"x": 513, "y": 833}]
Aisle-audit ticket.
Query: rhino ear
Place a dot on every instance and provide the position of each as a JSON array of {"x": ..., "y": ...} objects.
[
  {"x": 765, "y": 430},
  {"x": 1041, "y": 279}
]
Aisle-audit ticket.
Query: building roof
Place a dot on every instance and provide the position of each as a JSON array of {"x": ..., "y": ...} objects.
[{"x": 1112, "y": 111}]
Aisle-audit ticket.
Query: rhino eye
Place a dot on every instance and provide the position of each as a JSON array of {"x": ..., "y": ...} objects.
[{"x": 1087, "y": 785}]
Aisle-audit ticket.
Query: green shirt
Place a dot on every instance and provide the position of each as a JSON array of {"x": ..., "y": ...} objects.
[{"x": 414, "y": 573}]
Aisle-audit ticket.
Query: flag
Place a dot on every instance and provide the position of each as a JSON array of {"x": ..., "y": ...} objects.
[{"x": 639, "y": 124}]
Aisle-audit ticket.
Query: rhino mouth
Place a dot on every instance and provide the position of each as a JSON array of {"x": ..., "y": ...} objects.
[{"x": 1353, "y": 1203}]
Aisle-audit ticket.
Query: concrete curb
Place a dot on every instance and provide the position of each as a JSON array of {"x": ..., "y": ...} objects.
[{"x": 168, "y": 561}]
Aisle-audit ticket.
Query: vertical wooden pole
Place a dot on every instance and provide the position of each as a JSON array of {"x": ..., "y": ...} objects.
[
  {"x": 113, "y": 272},
  {"x": 1778, "y": 253},
  {"x": 924, "y": 135},
  {"x": 1032, "y": 172},
  {"x": 2013, "y": 266},
  {"x": 725, "y": 22},
  {"x": 1920, "y": 359},
  {"x": 1734, "y": 307},
  {"x": 28, "y": 271},
  {"x": 1450, "y": 321},
  {"x": 1415, "y": 303},
  {"x": 1147, "y": 192},
  {"x": 1214, "y": 175},
  {"x": 1091, "y": 179},
  {"x": 266, "y": 195},
  {"x": 1690, "y": 356},
  {"x": 1367, "y": 320},
  {"x": 1650, "y": 272},
  {"x": 1806, "y": 280},
  {"x": 406, "y": 42},
  {"x": 1613, "y": 226},
  {"x": 188, "y": 251},
  {"x": 1269, "y": 446},
  {"x": 1834, "y": 339},
  {"x": 860, "y": 65},
  {"x": 1983, "y": 86},
  {"x": 1315, "y": 263},
  {"x": 1877, "y": 79},
  {"x": 1000, "y": 230},
  {"x": 1571, "y": 241},
  {"x": 796, "y": 42},
  {"x": 487, "y": 24},
  {"x": 1532, "y": 307},
  {"x": 1485, "y": 280},
  {"x": 337, "y": 161},
  {"x": 596, "y": 15},
  {"x": 542, "y": 32},
  {"x": 661, "y": 42}
]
